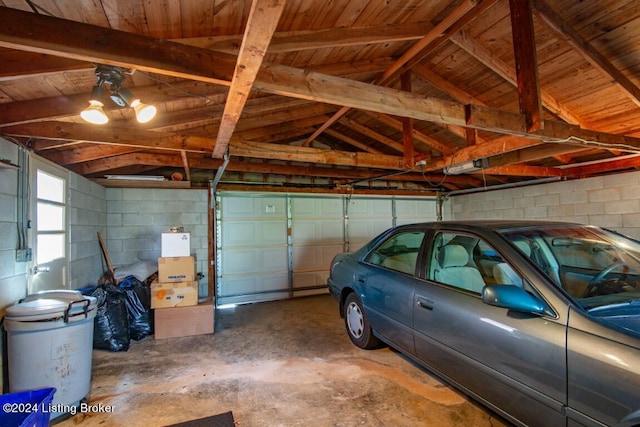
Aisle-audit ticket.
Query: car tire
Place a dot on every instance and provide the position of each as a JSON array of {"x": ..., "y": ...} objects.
[{"x": 357, "y": 324}]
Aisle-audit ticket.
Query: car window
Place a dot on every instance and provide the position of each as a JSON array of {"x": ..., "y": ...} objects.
[
  {"x": 469, "y": 263},
  {"x": 399, "y": 252}
]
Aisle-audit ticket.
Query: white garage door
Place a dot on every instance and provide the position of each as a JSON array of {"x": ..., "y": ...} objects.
[{"x": 277, "y": 246}]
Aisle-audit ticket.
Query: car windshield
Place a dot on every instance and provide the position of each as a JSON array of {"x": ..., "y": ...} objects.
[{"x": 596, "y": 267}]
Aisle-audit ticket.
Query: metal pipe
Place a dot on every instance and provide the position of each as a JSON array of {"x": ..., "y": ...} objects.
[{"x": 504, "y": 186}]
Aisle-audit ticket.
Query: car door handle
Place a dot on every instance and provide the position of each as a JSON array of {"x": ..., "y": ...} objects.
[
  {"x": 425, "y": 303},
  {"x": 361, "y": 279}
]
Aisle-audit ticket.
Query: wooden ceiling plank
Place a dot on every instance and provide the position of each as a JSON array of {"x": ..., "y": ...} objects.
[
  {"x": 526, "y": 63},
  {"x": 472, "y": 47},
  {"x": 437, "y": 32},
  {"x": 257, "y": 133},
  {"x": 446, "y": 86},
  {"x": 416, "y": 50},
  {"x": 591, "y": 54},
  {"x": 391, "y": 143},
  {"x": 293, "y": 41},
  {"x": 417, "y": 135},
  {"x": 351, "y": 141},
  {"x": 262, "y": 22}
]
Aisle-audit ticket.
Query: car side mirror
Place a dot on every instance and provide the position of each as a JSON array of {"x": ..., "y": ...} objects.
[{"x": 513, "y": 298}]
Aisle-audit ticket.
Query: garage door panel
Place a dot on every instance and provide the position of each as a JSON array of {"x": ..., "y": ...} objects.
[
  {"x": 264, "y": 233},
  {"x": 317, "y": 230},
  {"x": 253, "y": 207},
  {"x": 314, "y": 257},
  {"x": 367, "y": 208},
  {"x": 305, "y": 207},
  {"x": 254, "y": 260},
  {"x": 243, "y": 289},
  {"x": 411, "y": 211},
  {"x": 310, "y": 278},
  {"x": 362, "y": 230}
]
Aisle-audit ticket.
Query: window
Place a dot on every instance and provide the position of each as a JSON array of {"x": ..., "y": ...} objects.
[
  {"x": 399, "y": 252},
  {"x": 469, "y": 263},
  {"x": 50, "y": 217}
]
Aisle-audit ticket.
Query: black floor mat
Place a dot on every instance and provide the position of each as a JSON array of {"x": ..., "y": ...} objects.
[{"x": 220, "y": 420}]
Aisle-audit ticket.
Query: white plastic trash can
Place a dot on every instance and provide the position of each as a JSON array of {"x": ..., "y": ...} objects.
[{"x": 50, "y": 343}]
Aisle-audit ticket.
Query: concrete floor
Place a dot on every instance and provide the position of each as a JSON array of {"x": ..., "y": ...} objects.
[{"x": 285, "y": 363}]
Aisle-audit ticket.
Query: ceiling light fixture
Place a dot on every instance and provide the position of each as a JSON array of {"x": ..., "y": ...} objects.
[
  {"x": 465, "y": 167},
  {"x": 114, "y": 76}
]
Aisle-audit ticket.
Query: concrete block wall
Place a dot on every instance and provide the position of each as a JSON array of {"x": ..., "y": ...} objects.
[
  {"x": 13, "y": 275},
  {"x": 136, "y": 219},
  {"x": 608, "y": 201},
  {"x": 87, "y": 218}
]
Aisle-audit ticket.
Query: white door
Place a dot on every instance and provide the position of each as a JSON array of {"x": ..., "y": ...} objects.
[{"x": 49, "y": 236}]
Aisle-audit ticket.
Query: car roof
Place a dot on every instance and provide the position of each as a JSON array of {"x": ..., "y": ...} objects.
[{"x": 495, "y": 224}]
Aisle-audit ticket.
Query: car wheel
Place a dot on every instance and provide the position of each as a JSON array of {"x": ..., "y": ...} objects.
[{"x": 357, "y": 324}]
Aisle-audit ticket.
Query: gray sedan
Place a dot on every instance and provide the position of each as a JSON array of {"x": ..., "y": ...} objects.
[{"x": 540, "y": 321}]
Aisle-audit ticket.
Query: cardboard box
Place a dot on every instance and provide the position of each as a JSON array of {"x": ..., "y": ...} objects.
[
  {"x": 173, "y": 294},
  {"x": 175, "y": 244},
  {"x": 177, "y": 269},
  {"x": 184, "y": 321}
]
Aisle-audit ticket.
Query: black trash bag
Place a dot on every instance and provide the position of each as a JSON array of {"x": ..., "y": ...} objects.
[
  {"x": 138, "y": 301},
  {"x": 111, "y": 325}
]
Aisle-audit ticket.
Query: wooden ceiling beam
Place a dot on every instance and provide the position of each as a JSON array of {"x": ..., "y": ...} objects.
[
  {"x": 407, "y": 123},
  {"x": 521, "y": 170},
  {"x": 185, "y": 164},
  {"x": 17, "y": 64},
  {"x": 263, "y": 19},
  {"x": 253, "y": 149},
  {"x": 84, "y": 42},
  {"x": 605, "y": 166},
  {"x": 85, "y": 153},
  {"x": 526, "y": 67},
  {"x": 129, "y": 137},
  {"x": 124, "y": 160}
]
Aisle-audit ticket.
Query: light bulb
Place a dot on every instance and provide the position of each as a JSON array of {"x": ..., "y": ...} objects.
[
  {"x": 144, "y": 112},
  {"x": 94, "y": 113}
]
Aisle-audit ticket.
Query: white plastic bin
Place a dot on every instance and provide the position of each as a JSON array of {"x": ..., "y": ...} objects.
[{"x": 50, "y": 343}]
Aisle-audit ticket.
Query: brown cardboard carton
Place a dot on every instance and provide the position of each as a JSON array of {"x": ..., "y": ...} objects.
[
  {"x": 184, "y": 321},
  {"x": 173, "y": 294},
  {"x": 177, "y": 269}
]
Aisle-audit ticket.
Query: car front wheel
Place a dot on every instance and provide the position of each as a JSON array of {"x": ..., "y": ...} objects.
[{"x": 357, "y": 324}]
